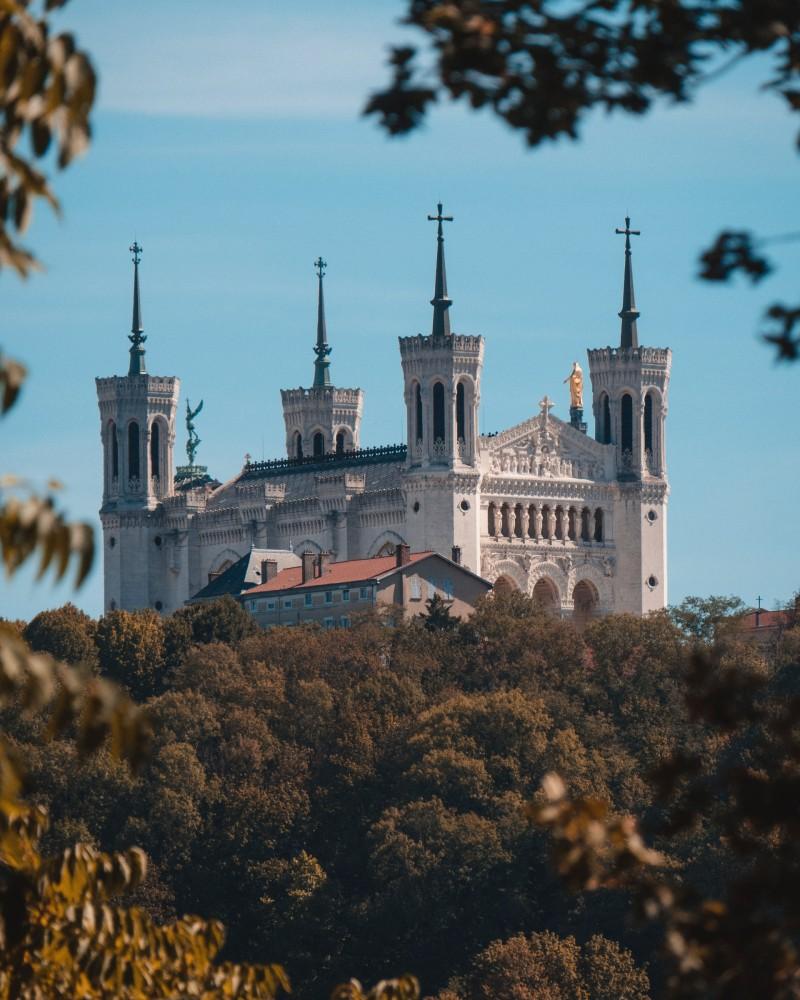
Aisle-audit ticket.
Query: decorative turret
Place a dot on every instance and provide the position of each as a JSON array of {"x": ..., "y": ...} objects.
[
  {"x": 137, "y": 337},
  {"x": 629, "y": 398},
  {"x": 629, "y": 335},
  {"x": 322, "y": 419},
  {"x": 442, "y": 378}
]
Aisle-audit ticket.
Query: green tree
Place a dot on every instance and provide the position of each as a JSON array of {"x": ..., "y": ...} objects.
[
  {"x": 437, "y": 617},
  {"x": 130, "y": 647},
  {"x": 543, "y": 966},
  {"x": 704, "y": 618},
  {"x": 66, "y": 633},
  {"x": 543, "y": 67}
]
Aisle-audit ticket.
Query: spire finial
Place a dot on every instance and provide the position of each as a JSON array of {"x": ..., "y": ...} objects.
[
  {"x": 137, "y": 337},
  {"x": 322, "y": 374},
  {"x": 629, "y": 335},
  {"x": 440, "y": 301}
]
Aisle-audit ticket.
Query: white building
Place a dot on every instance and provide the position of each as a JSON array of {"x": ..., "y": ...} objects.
[{"x": 579, "y": 522}]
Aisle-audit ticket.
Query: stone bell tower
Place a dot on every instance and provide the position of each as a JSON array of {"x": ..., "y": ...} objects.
[
  {"x": 442, "y": 379},
  {"x": 323, "y": 419},
  {"x": 630, "y": 386},
  {"x": 137, "y": 431}
]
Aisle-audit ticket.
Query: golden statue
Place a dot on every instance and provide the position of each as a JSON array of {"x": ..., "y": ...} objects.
[{"x": 575, "y": 379}]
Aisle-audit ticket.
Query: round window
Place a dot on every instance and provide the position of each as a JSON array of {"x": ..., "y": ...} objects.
[
  {"x": 158, "y": 605},
  {"x": 112, "y": 542},
  {"x": 157, "y": 540},
  {"x": 464, "y": 505},
  {"x": 415, "y": 508},
  {"x": 652, "y": 582},
  {"x": 652, "y": 517}
]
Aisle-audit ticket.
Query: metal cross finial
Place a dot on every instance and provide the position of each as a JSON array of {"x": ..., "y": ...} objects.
[
  {"x": 440, "y": 219},
  {"x": 627, "y": 232},
  {"x": 546, "y": 405},
  {"x": 319, "y": 266},
  {"x": 136, "y": 250}
]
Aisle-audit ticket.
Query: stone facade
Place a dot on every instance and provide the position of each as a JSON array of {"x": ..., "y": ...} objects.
[{"x": 579, "y": 522}]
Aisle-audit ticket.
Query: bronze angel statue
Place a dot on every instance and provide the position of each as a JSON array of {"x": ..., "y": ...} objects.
[{"x": 193, "y": 440}]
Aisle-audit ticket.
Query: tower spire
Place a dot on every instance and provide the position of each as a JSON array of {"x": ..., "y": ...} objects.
[
  {"x": 322, "y": 374},
  {"x": 137, "y": 337},
  {"x": 440, "y": 301},
  {"x": 629, "y": 335}
]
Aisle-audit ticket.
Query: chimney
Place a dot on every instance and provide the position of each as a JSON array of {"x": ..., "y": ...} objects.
[
  {"x": 456, "y": 555},
  {"x": 308, "y": 566},
  {"x": 323, "y": 561},
  {"x": 403, "y": 554},
  {"x": 269, "y": 570}
]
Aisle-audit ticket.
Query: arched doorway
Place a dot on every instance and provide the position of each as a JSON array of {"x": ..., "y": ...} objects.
[
  {"x": 585, "y": 600},
  {"x": 545, "y": 594},
  {"x": 504, "y": 585}
]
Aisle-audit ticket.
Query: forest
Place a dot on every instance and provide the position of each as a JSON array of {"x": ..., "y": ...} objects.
[{"x": 357, "y": 802}]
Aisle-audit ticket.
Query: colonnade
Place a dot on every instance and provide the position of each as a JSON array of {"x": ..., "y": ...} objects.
[{"x": 543, "y": 522}]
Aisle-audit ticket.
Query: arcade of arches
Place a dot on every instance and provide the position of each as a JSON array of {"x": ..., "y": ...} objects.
[{"x": 585, "y": 598}]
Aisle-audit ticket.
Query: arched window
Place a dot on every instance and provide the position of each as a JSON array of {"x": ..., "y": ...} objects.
[
  {"x": 340, "y": 440},
  {"x": 438, "y": 412},
  {"x": 504, "y": 585},
  {"x": 460, "y": 413},
  {"x": 648, "y": 422},
  {"x": 627, "y": 423},
  {"x": 155, "y": 449},
  {"x": 518, "y": 520},
  {"x": 598, "y": 525},
  {"x": 604, "y": 437},
  {"x": 319, "y": 444},
  {"x": 574, "y": 526},
  {"x": 492, "y": 518},
  {"x": 418, "y": 408},
  {"x": 586, "y": 530},
  {"x": 133, "y": 450},
  {"x": 298, "y": 444},
  {"x": 532, "y": 521},
  {"x": 114, "y": 445},
  {"x": 505, "y": 521},
  {"x": 559, "y": 523}
]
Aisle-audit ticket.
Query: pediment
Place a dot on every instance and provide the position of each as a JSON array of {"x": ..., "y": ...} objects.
[{"x": 546, "y": 447}]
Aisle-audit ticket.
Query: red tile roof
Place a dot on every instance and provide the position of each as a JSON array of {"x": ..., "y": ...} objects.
[
  {"x": 764, "y": 619},
  {"x": 336, "y": 573}
]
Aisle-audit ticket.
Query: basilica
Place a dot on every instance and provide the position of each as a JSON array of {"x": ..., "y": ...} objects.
[{"x": 577, "y": 521}]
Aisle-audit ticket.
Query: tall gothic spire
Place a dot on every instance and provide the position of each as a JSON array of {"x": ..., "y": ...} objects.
[
  {"x": 322, "y": 375},
  {"x": 137, "y": 337},
  {"x": 440, "y": 301},
  {"x": 629, "y": 336}
]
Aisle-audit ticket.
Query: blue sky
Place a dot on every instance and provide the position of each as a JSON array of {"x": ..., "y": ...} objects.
[{"x": 233, "y": 150}]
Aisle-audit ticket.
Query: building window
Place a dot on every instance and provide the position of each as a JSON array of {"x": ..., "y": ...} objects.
[
  {"x": 328, "y": 623},
  {"x": 287, "y": 603},
  {"x": 364, "y": 593},
  {"x": 438, "y": 412},
  {"x": 605, "y": 420},
  {"x": 447, "y": 588},
  {"x": 319, "y": 444},
  {"x": 648, "y": 422},
  {"x": 112, "y": 433},
  {"x": 340, "y": 443},
  {"x": 251, "y": 605},
  {"x": 344, "y": 621},
  {"x": 329, "y": 597},
  {"x": 346, "y": 596},
  {"x": 298, "y": 444},
  {"x": 271, "y": 605},
  {"x": 627, "y": 423},
  {"x": 418, "y": 408},
  {"x": 461, "y": 412},
  {"x": 155, "y": 456},
  {"x": 416, "y": 589},
  {"x": 309, "y": 600},
  {"x": 133, "y": 450}
]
